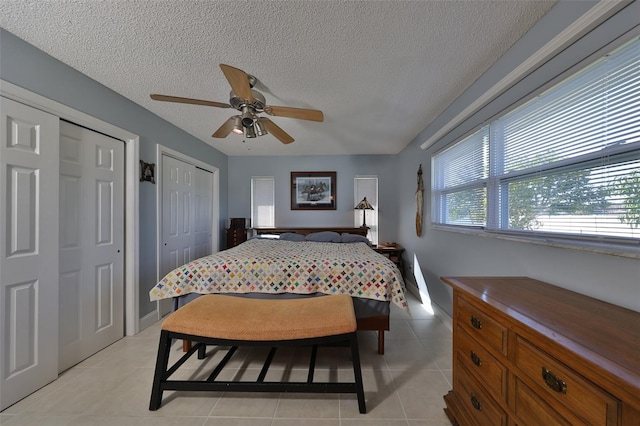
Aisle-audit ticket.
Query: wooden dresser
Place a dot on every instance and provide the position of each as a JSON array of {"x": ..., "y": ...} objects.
[{"x": 529, "y": 353}]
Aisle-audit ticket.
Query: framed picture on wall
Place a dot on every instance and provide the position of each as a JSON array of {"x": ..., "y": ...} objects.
[
  {"x": 313, "y": 190},
  {"x": 147, "y": 171}
]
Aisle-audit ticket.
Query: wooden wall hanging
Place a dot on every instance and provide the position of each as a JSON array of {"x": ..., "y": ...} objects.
[{"x": 419, "y": 202}]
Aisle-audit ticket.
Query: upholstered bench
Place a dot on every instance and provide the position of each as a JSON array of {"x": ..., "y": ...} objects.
[{"x": 230, "y": 321}]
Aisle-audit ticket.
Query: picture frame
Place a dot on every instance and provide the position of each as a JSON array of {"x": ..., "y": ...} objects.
[
  {"x": 313, "y": 190},
  {"x": 147, "y": 172}
]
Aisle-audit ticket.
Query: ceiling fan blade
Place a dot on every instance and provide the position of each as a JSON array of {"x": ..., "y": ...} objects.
[
  {"x": 224, "y": 130},
  {"x": 239, "y": 81},
  {"x": 178, "y": 99},
  {"x": 299, "y": 113},
  {"x": 276, "y": 131}
]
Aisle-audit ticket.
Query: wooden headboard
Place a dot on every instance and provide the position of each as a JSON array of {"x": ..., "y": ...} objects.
[{"x": 305, "y": 231}]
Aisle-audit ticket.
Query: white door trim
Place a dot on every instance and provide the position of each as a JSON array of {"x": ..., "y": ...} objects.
[
  {"x": 215, "y": 201},
  {"x": 132, "y": 216}
]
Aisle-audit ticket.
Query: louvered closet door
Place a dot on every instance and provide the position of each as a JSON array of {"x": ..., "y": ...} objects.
[
  {"x": 91, "y": 243},
  {"x": 28, "y": 250}
]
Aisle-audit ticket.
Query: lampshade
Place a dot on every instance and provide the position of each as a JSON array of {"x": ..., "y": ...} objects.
[
  {"x": 248, "y": 117},
  {"x": 261, "y": 130},
  {"x": 363, "y": 205},
  {"x": 237, "y": 125},
  {"x": 250, "y": 132}
]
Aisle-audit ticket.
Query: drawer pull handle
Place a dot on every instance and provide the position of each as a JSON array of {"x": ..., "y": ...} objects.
[
  {"x": 553, "y": 382},
  {"x": 476, "y": 404},
  {"x": 476, "y": 323},
  {"x": 476, "y": 359}
]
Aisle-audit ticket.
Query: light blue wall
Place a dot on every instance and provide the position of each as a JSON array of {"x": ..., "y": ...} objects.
[
  {"x": 241, "y": 169},
  {"x": 440, "y": 253},
  {"x": 30, "y": 68}
]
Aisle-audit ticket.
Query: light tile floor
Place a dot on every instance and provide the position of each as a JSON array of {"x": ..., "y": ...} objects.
[{"x": 403, "y": 387}]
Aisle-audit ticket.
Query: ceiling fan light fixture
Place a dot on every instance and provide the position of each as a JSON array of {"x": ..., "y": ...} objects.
[
  {"x": 248, "y": 117},
  {"x": 237, "y": 125},
  {"x": 260, "y": 128},
  {"x": 250, "y": 132}
]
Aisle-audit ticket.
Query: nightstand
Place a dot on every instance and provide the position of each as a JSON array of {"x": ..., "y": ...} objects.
[{"x": 393, "y": 252}]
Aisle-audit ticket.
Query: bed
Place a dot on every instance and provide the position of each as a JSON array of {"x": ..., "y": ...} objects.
[{"x": 304, "y": 262}]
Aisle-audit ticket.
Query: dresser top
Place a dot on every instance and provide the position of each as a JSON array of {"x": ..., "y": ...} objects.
[{"x": 602, "y": 333}]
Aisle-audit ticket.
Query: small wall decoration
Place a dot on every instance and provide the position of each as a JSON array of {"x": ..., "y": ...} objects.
[
  {"x": 419, "y": 202},
  {"x": 313, "y": 190},
  {"x": 147, "y": 171}
]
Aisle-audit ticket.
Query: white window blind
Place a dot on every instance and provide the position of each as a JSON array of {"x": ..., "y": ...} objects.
[
  {"x": 565, "y": 163},
  {"x": 263, "y": 202},
  {"x": 367, "y": 186},
  {"x": 460, "y": 178}
]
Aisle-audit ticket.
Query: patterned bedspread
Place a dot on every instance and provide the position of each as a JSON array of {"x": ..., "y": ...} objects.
[{"x": 273, "y": 266}]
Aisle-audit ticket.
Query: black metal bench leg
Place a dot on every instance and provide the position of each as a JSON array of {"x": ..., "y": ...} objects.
[
  {"x": 357, "y": 372},
  {"x": 161, "y": 367},
  {"x": 202, "y": 351}
]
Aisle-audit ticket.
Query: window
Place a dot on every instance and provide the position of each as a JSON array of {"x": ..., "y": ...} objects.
[
  {"x": 263, "y": 202},
  {"x": 566, "y": 163},
  {"x": 366, "y": 186}
]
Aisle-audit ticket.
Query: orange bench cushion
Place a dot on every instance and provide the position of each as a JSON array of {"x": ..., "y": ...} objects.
[{"x": 237, "y": 318}]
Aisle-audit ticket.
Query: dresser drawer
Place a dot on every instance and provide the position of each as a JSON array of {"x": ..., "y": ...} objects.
[
  {"x": 478, "y": 404},
  {"x": 236, "y": 236},
  {"x": 561, "y": 383},
  {"x": 532, "y": 410},
  {"x": 481, "y": 326},
  {"x": 485, "y": 366}
]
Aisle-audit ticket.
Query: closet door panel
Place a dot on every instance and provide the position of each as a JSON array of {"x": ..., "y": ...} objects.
[
  {"x": 29, "y": 250},
  {"x": 92, "y": 242}
]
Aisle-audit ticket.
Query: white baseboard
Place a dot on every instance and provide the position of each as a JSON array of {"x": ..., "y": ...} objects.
[
  {"x": 442, "y": 316},
  {"x": 413, "y": 289},
  {"x": 149, "y": 319},
  {"x": 437, "y": 310}
]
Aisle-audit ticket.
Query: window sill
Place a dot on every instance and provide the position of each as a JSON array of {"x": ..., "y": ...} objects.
[{"x": 610, "y": 249}]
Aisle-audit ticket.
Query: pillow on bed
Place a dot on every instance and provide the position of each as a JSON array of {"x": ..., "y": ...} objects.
[
  {"x": 354, "y": 238},
  {"x": 265, "y": 237},
  {"x": 324, "y": 237},
  {"x": 291, "y": 236}
]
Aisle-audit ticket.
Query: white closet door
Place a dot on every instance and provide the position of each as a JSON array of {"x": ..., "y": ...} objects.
[
  {"x": 29, "y": 250},
  {"x": 178, "y": 215},
  {"x": 91, "y": 243},
  {"x": 203, "y": 208},
  {"x": 187, "y": 210}
]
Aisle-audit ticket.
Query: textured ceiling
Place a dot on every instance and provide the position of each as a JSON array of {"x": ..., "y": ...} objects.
[{"x": 379, "y": 70}]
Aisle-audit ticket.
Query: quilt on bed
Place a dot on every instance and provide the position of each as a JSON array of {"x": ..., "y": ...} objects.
[{"x": 273, "y": 266}]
